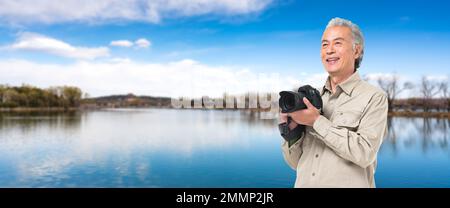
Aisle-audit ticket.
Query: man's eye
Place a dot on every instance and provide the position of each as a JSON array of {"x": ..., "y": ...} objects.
[
  {"x": 338, "y": 43},
  {"x": 324, "y": 45}
]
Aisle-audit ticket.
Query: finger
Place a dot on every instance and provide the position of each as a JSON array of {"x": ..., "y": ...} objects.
[
  {"x": 283, "y": 118},
  {"x": 307, "y": 103}
]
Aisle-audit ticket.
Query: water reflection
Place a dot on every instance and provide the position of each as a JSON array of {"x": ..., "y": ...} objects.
[
  {"x": 30, "y": 121},
  {"x": 428, "y": 133},
  {"x": 189, "y": 148},
  {"x": 415, "y": 153}
]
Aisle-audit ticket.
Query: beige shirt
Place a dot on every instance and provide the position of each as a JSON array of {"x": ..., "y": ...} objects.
[{"x": 340, "y": 149}]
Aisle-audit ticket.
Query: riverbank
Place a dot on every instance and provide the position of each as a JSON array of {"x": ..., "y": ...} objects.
[
  {"x": 420, "y": 114},
  {"x": 28, "y": 109}
]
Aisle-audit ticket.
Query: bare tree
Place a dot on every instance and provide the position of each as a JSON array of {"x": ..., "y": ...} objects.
[
  {"x": 428, "y": 90},
  {"x": 392, "y": 88},
  {"x": 443, "y": 87}
]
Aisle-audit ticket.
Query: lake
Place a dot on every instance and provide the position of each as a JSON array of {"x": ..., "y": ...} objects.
[{"x": 190, "y": 148}]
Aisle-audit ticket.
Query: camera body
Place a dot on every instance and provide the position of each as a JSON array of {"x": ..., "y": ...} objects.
[{"x": 293, "y": 101}]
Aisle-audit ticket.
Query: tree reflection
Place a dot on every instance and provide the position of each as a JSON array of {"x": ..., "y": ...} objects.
[
  {"x": 442, "y": 125},
  {"x": 26, "y": 121},
  {"x": 429, "y": 133},
  {"x": 391, "y": 136}
]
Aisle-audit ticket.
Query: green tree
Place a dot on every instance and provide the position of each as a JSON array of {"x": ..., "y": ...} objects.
[
  {"x": 30, "y": 96},
  {"x": 72, "y": 95}
]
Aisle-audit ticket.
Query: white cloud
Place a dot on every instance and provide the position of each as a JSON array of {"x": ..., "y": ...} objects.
[
  {"x": 374, "y": 77},
  {"x": 41, "y": 43},
  {"x": 437, "y": 78},
  {"x": 121, "y": 43},
  {"x": 139, "y": 43},
  {"x": 50, "y": 11},
  {"x": 142, "y": 43},
  {"x": 119, "y": 60},
  {"x": 181, "y": 78}
]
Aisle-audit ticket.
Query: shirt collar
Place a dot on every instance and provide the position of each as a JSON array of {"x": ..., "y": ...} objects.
[
  {"x": 327, "y": 86},
  {"x": 347, "y": 86}
]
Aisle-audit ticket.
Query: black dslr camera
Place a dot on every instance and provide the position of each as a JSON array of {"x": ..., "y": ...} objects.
[{"x": 293, "y": 101}]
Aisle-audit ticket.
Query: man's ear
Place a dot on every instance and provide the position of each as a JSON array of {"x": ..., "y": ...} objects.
[{"x": 357, "y": 51}]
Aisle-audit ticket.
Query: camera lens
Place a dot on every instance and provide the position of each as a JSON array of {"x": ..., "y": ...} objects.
[{"x": 289, "y": 102}]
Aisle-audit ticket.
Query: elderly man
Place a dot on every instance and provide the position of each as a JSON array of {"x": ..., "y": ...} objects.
[{"x": 339, "y": 147}]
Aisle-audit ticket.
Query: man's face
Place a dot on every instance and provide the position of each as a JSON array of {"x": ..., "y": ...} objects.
[{"x": 338, "y": 56}]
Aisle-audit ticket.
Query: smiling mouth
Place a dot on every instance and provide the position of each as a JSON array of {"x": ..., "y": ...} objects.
[{"x": 332, "y": 60}]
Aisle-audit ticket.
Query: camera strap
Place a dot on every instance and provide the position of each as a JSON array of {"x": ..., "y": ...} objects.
[{"x": 291, "y": 136}]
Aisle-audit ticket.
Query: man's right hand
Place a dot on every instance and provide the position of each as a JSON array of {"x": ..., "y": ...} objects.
[{"x": 284, "y": 119}]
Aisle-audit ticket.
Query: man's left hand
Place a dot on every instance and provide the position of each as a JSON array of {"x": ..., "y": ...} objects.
[{"x": 306, "y": 116}]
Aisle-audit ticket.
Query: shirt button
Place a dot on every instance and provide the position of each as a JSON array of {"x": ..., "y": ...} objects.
[
  {"x": 317, "y": 155},
  {"x": 313, "y": 174}
]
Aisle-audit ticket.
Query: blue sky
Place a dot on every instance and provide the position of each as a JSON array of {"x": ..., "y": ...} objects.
[{"x": 211, "y": 42}]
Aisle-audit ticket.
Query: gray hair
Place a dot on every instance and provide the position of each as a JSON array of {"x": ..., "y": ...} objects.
[{"x": 358, "y": 38}]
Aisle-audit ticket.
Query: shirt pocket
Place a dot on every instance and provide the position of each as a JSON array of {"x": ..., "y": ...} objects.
[{"x": 348, "y": 119}]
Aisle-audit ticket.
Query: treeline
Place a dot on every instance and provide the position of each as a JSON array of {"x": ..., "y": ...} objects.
[
  {"x": 421, "y": 104},
  {"x": 125, "y": 101},
  {"x": 30, "y": 96},
  {"x": 429, "y": 95}
]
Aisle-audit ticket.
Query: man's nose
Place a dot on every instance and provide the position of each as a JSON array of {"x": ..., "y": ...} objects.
[{"x": 330, "y": 50}]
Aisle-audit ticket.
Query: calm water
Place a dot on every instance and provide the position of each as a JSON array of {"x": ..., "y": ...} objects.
[{"x": 190, "y": 148}]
